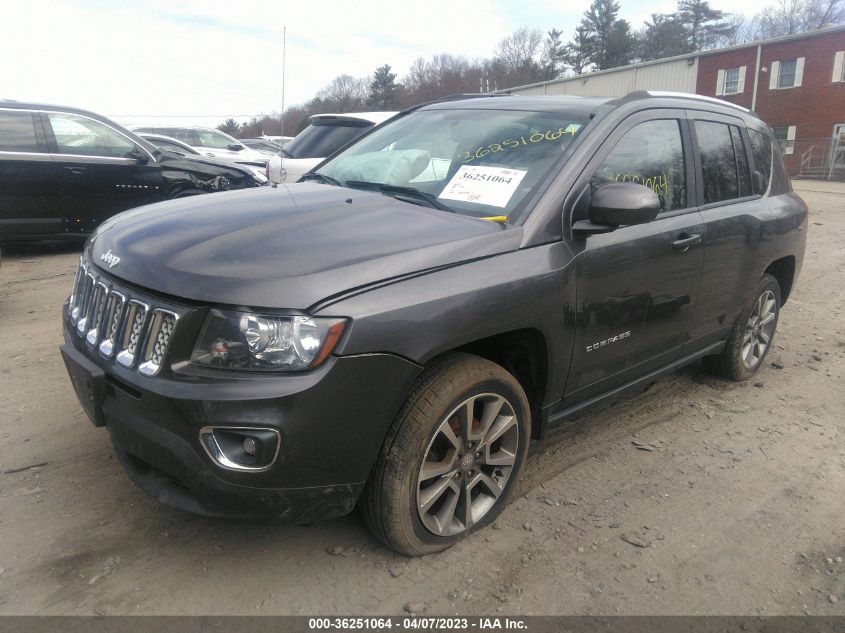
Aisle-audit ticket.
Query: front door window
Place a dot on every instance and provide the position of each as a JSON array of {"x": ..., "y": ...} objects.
[{"x": 81, "y": 136}]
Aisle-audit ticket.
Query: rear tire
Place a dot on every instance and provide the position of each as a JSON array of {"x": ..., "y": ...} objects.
[
  {"x": 752, "y": 334},
  {"x": 451, "y": 457}
]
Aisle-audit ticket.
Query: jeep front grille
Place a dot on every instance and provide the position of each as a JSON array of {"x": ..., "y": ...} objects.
[
  {"x": 133, "y": 330},
  {"x": 125, "y": 327},
  {"x": 96, "y": 311},
  {"x": 161, "y": 329},
  {"x": 112, "y": 320}
]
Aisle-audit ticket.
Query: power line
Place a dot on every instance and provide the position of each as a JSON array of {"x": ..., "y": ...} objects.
[{"x": 191, "y": 116}]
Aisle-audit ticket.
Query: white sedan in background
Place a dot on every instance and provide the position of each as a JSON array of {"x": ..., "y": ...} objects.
[
  {"x": 210, "y": 142},
  {"x": 325, "y": 134}
]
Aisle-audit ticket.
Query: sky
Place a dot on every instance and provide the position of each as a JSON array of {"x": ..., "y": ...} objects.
[{"x": 200, "y": 61}]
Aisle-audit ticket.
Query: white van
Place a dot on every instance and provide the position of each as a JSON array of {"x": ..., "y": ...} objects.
[{"x": 325, "y": 134}]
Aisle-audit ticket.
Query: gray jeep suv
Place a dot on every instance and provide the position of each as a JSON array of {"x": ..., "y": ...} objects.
[{"x": 393, "y": 330}]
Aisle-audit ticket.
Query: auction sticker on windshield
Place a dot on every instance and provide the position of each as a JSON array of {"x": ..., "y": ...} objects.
[{"x": 493, "y": 186}]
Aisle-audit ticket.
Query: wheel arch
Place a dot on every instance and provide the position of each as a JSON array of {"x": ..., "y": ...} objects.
[
  {"x": 525, "y": 354},
  {"x": 783, "y": 270}
]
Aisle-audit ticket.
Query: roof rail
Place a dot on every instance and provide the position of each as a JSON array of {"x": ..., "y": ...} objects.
[{"x": 688, "y": 95}]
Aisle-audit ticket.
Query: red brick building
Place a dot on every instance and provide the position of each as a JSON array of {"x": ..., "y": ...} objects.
[{"x": 796, "y": 84}]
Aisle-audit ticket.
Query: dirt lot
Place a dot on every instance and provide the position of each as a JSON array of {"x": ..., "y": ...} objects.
[{"x": 736, "y": 507}]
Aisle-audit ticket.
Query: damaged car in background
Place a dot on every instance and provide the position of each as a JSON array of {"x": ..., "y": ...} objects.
[{"x": 64, "y": 170}]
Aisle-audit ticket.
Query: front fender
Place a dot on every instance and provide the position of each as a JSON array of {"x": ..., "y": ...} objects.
[{"x": 425, "y": 316}]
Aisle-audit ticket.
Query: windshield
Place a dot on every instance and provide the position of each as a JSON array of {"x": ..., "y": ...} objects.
[
  {"x": 324, "y": 138},
  {"x": 263, "y": 146},
  {"x": 476, "y": 162},
  {"x": 214, "y": 139}
]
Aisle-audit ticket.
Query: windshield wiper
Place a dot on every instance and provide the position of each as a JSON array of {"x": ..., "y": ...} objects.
[
  {"x": 397, "y": 191},
  {"x": 315, "y": 175}
]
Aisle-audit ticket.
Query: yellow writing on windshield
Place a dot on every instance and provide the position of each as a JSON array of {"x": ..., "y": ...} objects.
[{"x": 521, "y": 141}]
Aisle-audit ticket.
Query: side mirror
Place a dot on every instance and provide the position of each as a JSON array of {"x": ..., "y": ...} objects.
[
  {"x": 234, "y": 147},
  {"x": 139, "y": 155},
  {"x": 760, "y": 182},
  {"x": 619, "y": 204}
]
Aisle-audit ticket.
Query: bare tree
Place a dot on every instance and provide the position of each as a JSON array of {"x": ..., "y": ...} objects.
[
  {"x": 345, "y": 93},
  {"x": 788, "y": 17},
  {"x": 520, "y": 59},
  {"x": 741, "y": 29},
  {"x": 520, "y": 48}
]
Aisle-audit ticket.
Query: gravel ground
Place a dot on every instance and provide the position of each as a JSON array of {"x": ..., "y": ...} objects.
[{"x": 697, "y": 497}]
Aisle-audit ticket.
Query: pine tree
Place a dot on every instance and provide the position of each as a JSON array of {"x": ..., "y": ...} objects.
[
  {"x": 663, "y": 37},
  {"x": 229, "y": 126},
  {"x": 383, "y": 89},
  {"x": 705, "y": 27},
  {"x": 577, "y": 54},
  {"x": 554, "y": 55},
  {"x": 608, "y": 40}
]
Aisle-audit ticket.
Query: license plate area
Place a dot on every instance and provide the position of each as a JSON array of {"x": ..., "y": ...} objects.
[{"x": 88, "y": 381}]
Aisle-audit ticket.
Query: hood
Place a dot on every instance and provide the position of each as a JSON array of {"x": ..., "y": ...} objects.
[{"x": 287, "y": 247}]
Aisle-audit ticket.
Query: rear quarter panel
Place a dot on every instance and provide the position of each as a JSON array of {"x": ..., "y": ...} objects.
[{"x": 790, "y": 226}]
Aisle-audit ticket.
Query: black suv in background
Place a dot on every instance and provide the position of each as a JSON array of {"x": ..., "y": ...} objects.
[
  {"x": 394, "y": 329},
  {"x": 65, "y": 170}
]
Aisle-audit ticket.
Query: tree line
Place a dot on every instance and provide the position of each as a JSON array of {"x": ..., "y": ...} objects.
[{"x": 601, "y": 40}]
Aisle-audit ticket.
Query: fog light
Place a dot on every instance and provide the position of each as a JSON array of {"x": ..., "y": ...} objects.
[
  {"x": 241, "y": 448},
  {"x": 249, "y": 446}
]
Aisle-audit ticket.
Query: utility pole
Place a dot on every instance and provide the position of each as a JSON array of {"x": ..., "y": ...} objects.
[
  {"x": 282, "y": 115},
  {"x": 284, "y": 42}
]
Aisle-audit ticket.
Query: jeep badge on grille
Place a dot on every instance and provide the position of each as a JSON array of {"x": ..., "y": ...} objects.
[{"x": 110, "y": 258}]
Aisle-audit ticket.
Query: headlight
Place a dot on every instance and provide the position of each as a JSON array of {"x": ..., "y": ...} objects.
[{"x": 243, "y": 340}]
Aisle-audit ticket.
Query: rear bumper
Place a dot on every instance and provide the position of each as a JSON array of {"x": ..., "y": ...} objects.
[{"x": 331, "y": 421}]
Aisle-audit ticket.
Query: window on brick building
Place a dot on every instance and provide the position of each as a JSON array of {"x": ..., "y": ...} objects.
[
  {"x": 787, "y": 73},
  {"x": 839, "y": 66},
  {"x": 730, "y": 81},
  {"x": 785, "y": 137}
]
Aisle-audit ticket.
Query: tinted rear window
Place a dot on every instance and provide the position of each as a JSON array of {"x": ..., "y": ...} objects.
[
  {"x": 17, "y": 132},
  {"x": 743, "y": 170},
  {"x": 320, "y": 139},
  {"x": 761, "y": 150},
  {"x": 717, "y": 161}
]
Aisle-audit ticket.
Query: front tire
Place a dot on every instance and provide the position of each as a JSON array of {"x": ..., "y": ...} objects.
[
  {"x": 451, "y": 457},
  {"x": 752, "y": 335}
]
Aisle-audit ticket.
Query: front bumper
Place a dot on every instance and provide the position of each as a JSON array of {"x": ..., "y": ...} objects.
[{"x": 332, "y": 422}]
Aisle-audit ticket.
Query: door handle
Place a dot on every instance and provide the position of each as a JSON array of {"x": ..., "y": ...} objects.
[
  {"x": 685, "y": 241},
  {"x": 75, "y": 170}
]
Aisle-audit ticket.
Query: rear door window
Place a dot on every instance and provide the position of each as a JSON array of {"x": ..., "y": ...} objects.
[
  {"x": 761, "y": 150},
  {"x": 742, "y": 168},
  {"x": 17, "y": 132},
  {"x": 724, "y": 162}
]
